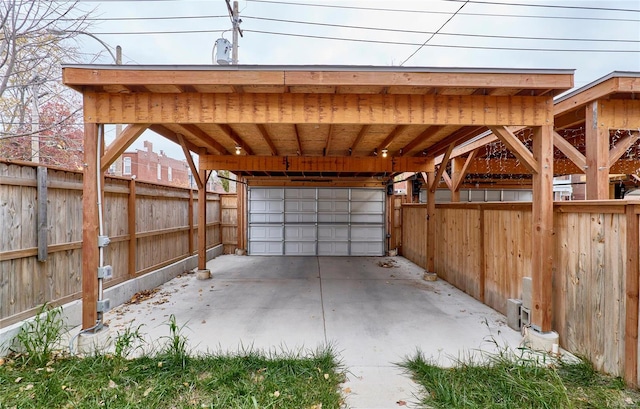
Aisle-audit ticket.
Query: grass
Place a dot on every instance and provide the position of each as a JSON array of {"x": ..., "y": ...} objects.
[
  {"x": 506, "y": 380},
  {"x": 171, "y": 378}
]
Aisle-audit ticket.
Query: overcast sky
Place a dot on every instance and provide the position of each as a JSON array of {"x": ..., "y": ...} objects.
[{"x": 592, "y": 37}]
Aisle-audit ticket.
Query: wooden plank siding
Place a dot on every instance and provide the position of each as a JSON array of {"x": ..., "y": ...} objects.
[
  {"x": 162, "y": 234},
  {"x": 485, "y": 250}
]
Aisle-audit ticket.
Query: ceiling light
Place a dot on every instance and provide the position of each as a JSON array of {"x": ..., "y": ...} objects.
[
  {"x": 384, "y": 153},
  {"x": 238, "y": 149}
]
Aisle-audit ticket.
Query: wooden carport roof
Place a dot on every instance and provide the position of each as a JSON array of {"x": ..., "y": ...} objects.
[
  {"x": 314, "y": 111},
  {"x": 305, "y": 121}
]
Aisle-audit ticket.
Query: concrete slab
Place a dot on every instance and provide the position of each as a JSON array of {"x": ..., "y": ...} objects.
[{"x": 374, "y": 310}]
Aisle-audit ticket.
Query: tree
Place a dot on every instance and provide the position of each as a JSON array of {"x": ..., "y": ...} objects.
[{"x": 32, "y": 49}]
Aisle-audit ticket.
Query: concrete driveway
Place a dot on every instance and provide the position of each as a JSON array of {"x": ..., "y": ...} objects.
[{"x": 373, "y": 315}]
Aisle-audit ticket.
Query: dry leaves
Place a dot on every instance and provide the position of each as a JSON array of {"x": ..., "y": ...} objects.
[{"x": 142, "y": 296}]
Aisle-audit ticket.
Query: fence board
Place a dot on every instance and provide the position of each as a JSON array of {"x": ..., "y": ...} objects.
[{"x": 162, "y": 221}]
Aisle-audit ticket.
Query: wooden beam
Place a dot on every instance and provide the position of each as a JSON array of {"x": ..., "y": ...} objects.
[
  {"x": 542, "y": 229},
  {"x": 516, "y": 147},
  {"x": 620, "y": 113},
  {"x": 597, "y": 149},
  {"x": 392, "y": 135},
  {"x": 423, "y": 137},
  {"x": 431, "y": 220},
  {"x": 465, "y": 148},
  {"x": 447, "y": 180},
  {"x": 356, "y": 141},
  {"x": 187, "y": 155},
  {"x": 205, "y": 138},
  {"x": 462, "y": 172},
  {"x": 202, "y": 219},
  {"x": 631, "y": 302},
  {"x": 363, "y": 109},
  {"x": 90, "y": 227},
  {"x": 231, "y": 134},
  {"x": 121, "y": 143},
  {"x": 460, "y": 136},
  {"x": 267, "y": 138},
  {"x": 327, "y": 146},
  {"x": 586, "y": 96},
  {"x": 349, "y": 164},
  {"x": 172, "y": 136},
  {"x": 298, "y": 139},
  {"x": 442, "y": 167},
  {"x": 622, "y": 146},
  {"x": 569, "y": 151}
]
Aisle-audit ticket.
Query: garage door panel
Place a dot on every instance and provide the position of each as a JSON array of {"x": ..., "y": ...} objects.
[
  {"x": 300, "y": 217},
  {"x": 333, "y": 218},
  {"x": 267, "y": 194},
  {"x": 292, "y": 193},
  {"x": 300, "y": 248},
  {"x": 300, "y": 206},
  {"x": 367, "y": 207},
  {"x": 367, "y": 218},
  {"x": 367, "y": 195},
  {"x": 266, "y": 233},
  {"x": 367, "y": 249},
  {"x": 367, "y": 233},
  {"x": 333, "y": 233},
  {"x": 266, "y": 206},
  {"x": 264, "y": 218},
  {"x": 265, "y": 248},
  {"x": 333, "y": 207},
  {"x": 330, "y": 248},
  {"x": 300, "y": 233},
  {"x": 333, "y": 194}
]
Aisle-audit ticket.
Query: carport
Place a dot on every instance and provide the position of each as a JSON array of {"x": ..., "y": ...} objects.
[{"x": 330, "y": 130}]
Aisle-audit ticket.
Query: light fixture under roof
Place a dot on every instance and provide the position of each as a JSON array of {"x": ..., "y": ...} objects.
[
  {"x": 384, "y": 153},
  {"x": 238, "y": 149}
]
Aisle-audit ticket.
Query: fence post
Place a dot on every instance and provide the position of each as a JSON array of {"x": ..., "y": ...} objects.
[
  {"x": 631, "y": 313},
  {"x": 133, "y": 247}
]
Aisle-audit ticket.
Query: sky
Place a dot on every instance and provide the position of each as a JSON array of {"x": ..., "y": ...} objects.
[{"x": 592, "y": 37}]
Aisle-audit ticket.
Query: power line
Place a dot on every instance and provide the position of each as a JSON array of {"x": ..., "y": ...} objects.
[
  {"x": 394, "y": 30},
  {"x": 291, "y": 3},
  {"x": 434, "y": 34},
  {"x": 554, "y": 6},
  {"x": 440, "y": 45}
]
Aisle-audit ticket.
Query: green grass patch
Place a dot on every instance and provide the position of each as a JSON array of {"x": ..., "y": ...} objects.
[
  {"x": 528, "y": 381},
  {"x": 171, "y": 377},
  {"x": 248, "y": 380}
]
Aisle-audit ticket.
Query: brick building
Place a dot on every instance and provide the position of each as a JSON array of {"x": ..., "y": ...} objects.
[{"x": 149, "y": 166}]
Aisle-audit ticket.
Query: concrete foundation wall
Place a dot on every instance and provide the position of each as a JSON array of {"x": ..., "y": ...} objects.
[{"x": 119, "y": 294}]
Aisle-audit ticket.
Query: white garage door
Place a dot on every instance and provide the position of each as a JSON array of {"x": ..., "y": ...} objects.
[{"x": 316, "y": 221}]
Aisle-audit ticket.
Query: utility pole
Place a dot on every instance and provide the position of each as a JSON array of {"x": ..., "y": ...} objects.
[{"x": 235, "y": 21}]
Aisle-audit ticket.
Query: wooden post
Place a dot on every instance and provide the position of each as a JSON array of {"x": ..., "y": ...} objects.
[
  {"x": 90, "y": 227},
  {"x": 632, "y": 304},
  {"x": 42, "y": 213},
  {"x": 457, "y": 164},
  {"x": 202, "y": 222},
  {"x": 241, "y": 195},
  {"x": 542, "y": 229},
  {"x": 431, "y": 216},
  {"x": 133, "y": 245},
  {"x": 190, "y": 221},
  {"x": 597, "y": 154}
]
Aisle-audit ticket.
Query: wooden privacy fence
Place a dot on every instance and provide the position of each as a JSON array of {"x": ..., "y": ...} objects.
[
  {"x": 149, "y": 226},
  {"x": 485, "y": 250}
]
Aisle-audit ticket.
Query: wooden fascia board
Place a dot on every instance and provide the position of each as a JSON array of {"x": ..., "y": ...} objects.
[
  {"x": 347, "y": 164},
  {"x": 430, "y": 79},
  {"x": 621, "y": 147},
  {"x": 579, "y": 100},
  {"x": 121, "y": 143},
  {"x": 442, "y": 167},
  {"x": 569, "y": 151},
  {"x": 363, "y": 109},
  {"x": 187, "y": 155},
  {"x": 79, "y": 77},
  {"x": 516, "y": 147}
]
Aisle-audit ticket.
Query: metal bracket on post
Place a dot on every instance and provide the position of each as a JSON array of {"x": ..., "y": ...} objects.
[{"x": 105, "y": 272}]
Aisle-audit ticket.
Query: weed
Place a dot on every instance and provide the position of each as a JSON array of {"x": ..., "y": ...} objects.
[
  {"x": 128, "y": 341},
  {"x": 176, "y": 348},
  {"x": 38, "y": 337}
]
